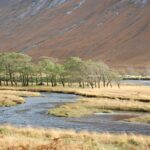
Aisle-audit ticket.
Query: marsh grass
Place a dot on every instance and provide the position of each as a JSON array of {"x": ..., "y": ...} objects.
[
  {"x": 128, "y": 98},
  {"x": 88, "y": 106},
  {"x": 19, "y": 93},
  {"x": 52, "y": 139},
  {"x": 11, "y": 98},
  {"x": 126, "y": 92}
]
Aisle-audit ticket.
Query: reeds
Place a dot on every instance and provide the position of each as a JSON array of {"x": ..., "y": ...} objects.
[{"x": 51, "y": 139}]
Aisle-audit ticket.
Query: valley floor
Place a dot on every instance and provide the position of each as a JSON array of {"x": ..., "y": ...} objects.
[
  {"x": 125, "y": 92},
  {"x": 126, "y": 98},
  {"x": 11, "y": 98}
]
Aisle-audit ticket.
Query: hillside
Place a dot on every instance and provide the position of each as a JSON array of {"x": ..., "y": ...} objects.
[{"x": 116, "y": 31}]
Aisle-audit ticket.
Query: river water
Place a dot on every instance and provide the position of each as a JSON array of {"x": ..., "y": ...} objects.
[
  {"x": 34, "y": 113},
  {"x": 137, "y": 82}
]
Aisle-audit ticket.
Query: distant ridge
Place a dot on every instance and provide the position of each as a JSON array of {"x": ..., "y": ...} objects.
[{"x": 116, "y": 31}]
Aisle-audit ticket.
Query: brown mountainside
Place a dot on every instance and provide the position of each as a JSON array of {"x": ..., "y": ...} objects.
[{"x": 116, "y": 31}]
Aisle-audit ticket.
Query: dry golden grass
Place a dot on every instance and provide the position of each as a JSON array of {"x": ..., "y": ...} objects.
[
  {"x": 88, "y": 106},
  {"x": 126, "y": 92},
  {"x": 12, "y": 138},
  {"x": 19, "y": 93},
  {"x": 12, "y": 98},
  {"x": 49, "y": 139}
]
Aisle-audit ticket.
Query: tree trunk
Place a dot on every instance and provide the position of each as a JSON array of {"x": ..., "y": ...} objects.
[
  {"x": 62, "y": 82},
  {"x": 27, "y": 80},
  {"x": 36, "y": 80},
  {"x": 47, "y": 81},
  {"x": 11, "y": 79},
  {"x": 83, "y": 85}
]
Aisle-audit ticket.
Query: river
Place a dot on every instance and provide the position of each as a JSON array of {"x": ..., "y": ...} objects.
[
  {"x": 137, "y": 82},
  {"x": 34, "y": 113}
]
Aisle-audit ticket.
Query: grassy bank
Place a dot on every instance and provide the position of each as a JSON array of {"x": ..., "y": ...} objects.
[
  {"x": 126, "y": 92},
  {"x": 88, "y": 106},
  {"x": 38, "y": 139},
  {"x": 143, "y": 119},
  {"x": 126, "y": 98},
  {"x": 12, "y": 98},
  {"x": 19, "y": 93}
]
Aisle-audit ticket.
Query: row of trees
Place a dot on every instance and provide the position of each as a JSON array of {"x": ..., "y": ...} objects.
[{"x": 18, "y": 68}]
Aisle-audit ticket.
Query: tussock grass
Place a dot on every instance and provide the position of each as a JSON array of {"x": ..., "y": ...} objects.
[
  {"x": 126, "y": 92},
  {"x": 12, "y": 98},
  {"x": 50, "y": 139},
  {"x": 143, "y": 119},
  {"x": 89, "y": 106},
  {"x": 19, "y": 93}
]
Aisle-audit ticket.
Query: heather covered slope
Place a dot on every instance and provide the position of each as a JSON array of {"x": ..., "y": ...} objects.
[{"x": 116, "y": 31}]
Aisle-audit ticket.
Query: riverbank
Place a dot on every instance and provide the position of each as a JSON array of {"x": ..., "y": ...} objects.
[
  {"x": 126, "y": 92},
  {"x": 126, "y": 98},
  {"x": 11, "y": 98},
  {"x": 140, "y": 119},
  {"x": 35, "y": 139},
  {"x": 89, "y": 106}
]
